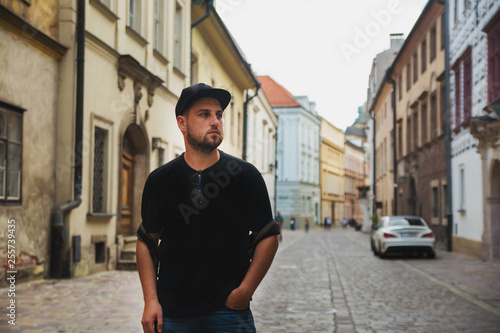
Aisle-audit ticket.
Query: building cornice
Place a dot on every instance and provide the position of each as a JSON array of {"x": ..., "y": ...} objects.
[{"x": 30, "y": 34}]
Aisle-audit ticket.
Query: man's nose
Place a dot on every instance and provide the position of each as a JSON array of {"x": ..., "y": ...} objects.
[{"x": 214, "y": 120}]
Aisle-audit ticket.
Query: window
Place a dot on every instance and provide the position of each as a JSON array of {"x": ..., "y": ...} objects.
[
  {"x": 463, "y": 87},
  {"x": 408, "y": 77},
  {"x": 456, "y": 11},
  {"x": 400, "y": 86},
  {"x": 435, "y": 202},
  {"x": 434, "y": 116},
  {"x": 467, "y": 86},
  {"x": 423, "y": 55},
  {"x": 415, "y": 67},
  {"x": 443, "y": 31},
  {"x": 194, "y": 68},
  {"x": 458, "y": 99},
  {"x": 415, "y": 130},
  {"x": 432, "y": 49},
  {"x": 99, "y": 183},
  {"x": 178, "y": 37},
  {"x": 10, "y": 153},
  {"x": 442, "y": 106},
  {"x": 408, "y": 135},
  {"x": 493, "y": 31},
  {"x": 424, "y": 120},
  {"x": 159, "y": 18},
  {"x": 400, "y": 139},
  {"x": 134, "y": 15},
  {"x": 462, "y": 189}
]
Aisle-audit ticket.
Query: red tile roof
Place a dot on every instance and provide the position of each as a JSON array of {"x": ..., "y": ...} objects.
[{"x": 275, "y": 93}]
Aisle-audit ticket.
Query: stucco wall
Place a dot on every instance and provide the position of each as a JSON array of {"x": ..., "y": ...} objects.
[{"x": 32, "y": 85}]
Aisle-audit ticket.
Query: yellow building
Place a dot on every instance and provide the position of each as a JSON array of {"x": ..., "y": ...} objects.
[
  {"x": 384, "y": 177},
  {"x": 118, "y": 110},
  {"x": 332, "y": 172},
  {"x": 217, "y": 61}
]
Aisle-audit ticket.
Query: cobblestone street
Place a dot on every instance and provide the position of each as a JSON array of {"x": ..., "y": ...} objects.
[{"x": 323, "y": 281}]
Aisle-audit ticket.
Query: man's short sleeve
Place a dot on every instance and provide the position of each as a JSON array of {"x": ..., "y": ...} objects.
[
  {"x": 151, "y": 208},
  {"x": 258, "y": 209}
]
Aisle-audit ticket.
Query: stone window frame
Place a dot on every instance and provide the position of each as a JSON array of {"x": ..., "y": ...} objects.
[
  {"x": 9, "y": 111},
  {"x": 106, "y": 126}
]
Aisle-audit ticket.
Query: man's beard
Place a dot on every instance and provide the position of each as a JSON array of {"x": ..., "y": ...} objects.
[{"x": 204, "y": 144}]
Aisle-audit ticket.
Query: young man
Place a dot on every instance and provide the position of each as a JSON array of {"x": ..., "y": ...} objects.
[{"x": 203, "y": 205}]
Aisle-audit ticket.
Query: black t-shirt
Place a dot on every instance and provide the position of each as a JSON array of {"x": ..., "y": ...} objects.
[{"x": 204, "y": 218}]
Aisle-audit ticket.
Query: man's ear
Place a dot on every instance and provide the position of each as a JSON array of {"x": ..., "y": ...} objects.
[{"x": 181, "y": 123}]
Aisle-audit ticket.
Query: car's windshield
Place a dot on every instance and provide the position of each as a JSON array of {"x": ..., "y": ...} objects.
[{"x": 405, "y": 222}]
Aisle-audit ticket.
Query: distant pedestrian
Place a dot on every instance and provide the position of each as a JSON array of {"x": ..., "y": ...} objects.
[
  {"x": 292, "y": 222},
  {"x": 328, "y": 223},
  {"x": 306, "y": 225},
  {"x": 279, "y": 220}
]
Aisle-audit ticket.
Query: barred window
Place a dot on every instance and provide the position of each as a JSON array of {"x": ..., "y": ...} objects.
[
  {"x": 10, "y": 154},
  {"x": 99, "y": 188}
]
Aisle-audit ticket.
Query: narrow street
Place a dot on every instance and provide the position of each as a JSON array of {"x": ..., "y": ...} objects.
[{"x": 323, "y": 281}]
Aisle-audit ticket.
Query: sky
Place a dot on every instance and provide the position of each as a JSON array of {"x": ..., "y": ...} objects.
[{"x": 322, "y": 49}]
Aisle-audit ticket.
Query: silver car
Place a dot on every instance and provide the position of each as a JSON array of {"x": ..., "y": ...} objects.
[{"x": 397, "y": 234}]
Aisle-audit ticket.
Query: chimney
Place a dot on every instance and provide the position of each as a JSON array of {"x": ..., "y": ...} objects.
[{"x": 397, "y": 41}]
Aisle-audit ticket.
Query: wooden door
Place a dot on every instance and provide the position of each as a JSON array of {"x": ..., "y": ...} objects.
[{"x": 127, "y": 193}]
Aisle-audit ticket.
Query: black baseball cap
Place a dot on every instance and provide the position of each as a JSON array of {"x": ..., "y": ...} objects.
[{"x": 201, "y": 90}]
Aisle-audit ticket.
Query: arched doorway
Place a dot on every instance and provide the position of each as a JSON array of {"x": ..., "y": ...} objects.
[
  {"x": 134, "y": 169},
  {"x": 494, "y": 202}
]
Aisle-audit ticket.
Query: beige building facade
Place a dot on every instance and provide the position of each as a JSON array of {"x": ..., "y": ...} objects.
[
  {"x": 332, "y": 156},
  {"x": 135, "y": 66},
  {"x": 28, "y": 111},
  {"x": 383, "y": 127},
  {"x": 418, "y": 73}
]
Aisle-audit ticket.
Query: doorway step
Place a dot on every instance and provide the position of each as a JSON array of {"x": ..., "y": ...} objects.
[{"x": 126, "y": 253}]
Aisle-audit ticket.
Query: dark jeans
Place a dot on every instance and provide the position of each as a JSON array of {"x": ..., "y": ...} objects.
[{"x": 220, "y": 321}]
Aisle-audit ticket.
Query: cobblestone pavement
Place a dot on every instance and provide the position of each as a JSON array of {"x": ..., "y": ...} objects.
[
  {"x": 330, "y": 281},
  {"x": 323, "y": 281}
]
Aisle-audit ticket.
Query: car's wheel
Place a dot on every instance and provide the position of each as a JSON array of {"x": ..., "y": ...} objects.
[{"x": 431, "y": 254}]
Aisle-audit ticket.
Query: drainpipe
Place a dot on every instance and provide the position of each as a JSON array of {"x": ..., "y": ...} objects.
[
  {"x": 394, "y": 164},
  {"x": 59, "y": 244},
  {"x": 449, "y": 197},
  {"x": 276, "y": 170},
  {"x": 245, "y": 119},
  {"x": 374, "y": 159},
  {"x": 210, "y": 6}
]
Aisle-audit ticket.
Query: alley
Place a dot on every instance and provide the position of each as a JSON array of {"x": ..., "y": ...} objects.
[{"x": 323, "y": 281}]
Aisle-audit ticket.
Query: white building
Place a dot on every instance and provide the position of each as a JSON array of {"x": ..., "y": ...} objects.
[
  {"x": 297, "y": 155},
  {"x": 474, "y": 60},
  {"x": 261, "y": 139}
]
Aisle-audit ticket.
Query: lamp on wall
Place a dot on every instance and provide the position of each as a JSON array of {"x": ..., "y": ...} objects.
[{"x": 156, "y": 143}]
